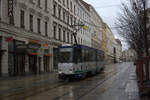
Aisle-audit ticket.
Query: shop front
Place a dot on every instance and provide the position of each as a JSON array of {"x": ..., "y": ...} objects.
[
  {"x": 16, "y": 57},
  {"x": 46, "y": 57},
  {"x": 20, "y": 50},
  {"x": 34, "y": 60},
  {"x": 1, "y": 54},
  {"x": 47, "y": 60}
]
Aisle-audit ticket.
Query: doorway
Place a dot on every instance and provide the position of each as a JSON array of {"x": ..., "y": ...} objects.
[
  {"x": 46, "y": 63},
  {"x": 33, "y": 64},
  {"x": 20, "y": 64}
]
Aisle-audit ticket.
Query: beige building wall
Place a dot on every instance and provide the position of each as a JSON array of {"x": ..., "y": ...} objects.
[
  {"x": 96, "y": 29},
  {"x": 111, "y": 45}
]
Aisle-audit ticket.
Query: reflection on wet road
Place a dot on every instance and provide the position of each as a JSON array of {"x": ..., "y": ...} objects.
[{"x": 92, "y": 88}]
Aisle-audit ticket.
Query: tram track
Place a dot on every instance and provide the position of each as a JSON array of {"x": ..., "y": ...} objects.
[
  {"x": 89, "y": 90},
  {"x": 93, "y": 82}
]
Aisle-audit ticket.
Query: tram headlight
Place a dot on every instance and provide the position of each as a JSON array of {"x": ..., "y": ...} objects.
[
  {"x": 60, "y": 71},
  {"x": 71, "y": 70}
]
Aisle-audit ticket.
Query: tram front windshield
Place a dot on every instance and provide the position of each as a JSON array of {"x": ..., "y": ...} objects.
[{"x": 65, "y": 55}]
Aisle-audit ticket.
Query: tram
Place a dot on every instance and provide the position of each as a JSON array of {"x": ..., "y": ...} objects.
[{"x": 78, "y": 61}]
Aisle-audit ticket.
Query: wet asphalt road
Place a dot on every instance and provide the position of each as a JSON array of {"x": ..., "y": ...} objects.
[{"x": 116, "y": 82}]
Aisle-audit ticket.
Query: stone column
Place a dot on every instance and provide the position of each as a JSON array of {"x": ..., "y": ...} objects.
[
  {"x": 42, "y": 64},
  {"x": 4, "y": 57},
  {"x": 26, "y": 63},
  {"x": 51, "y": 60}
]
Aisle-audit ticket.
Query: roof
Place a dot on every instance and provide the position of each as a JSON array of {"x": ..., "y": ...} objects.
[{"x": 85, "y": 4}]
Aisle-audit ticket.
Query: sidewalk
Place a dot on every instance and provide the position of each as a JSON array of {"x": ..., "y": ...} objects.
[
  {"x": 26, "y": 86},
  {"x": 122, "y": 86}
]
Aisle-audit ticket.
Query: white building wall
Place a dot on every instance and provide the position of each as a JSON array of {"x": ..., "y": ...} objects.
[{"x": 24, "y": 34}]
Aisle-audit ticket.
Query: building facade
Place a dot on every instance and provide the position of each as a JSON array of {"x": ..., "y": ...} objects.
[
  {"x": 111, "y": 47},
  {"x": 118, "y": 51},
  {"x": 30, "y": 30},
  {"x": 68, "y": 18},
  {"x": 25, "y": 37},
  {"x": 129, "y": 55},
  {"x": 104, "y": 40},
  {"x": 96, "y": 29}
]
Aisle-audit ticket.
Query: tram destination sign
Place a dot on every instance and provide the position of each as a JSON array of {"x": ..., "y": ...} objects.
[{"x": 10, "y": 8}]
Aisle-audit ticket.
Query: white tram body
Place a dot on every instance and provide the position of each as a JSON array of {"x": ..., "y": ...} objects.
[{"x": 78, "y": 61}]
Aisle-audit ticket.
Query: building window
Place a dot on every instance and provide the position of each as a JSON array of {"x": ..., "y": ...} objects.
[
  {"x": 59, "y": 1},
  {"x": 64, "y": 36},
  {"x": 11, "y": 20},
  {"x": 54, "y": 9},
  {"x": 22, "y": 19},
  {"x": 46, "y": 25},
  {"x": 71, "y": 39},
  {"x": 46, "y": 5},
  {"x": 64, "y": 16},
  {"x": 31, "y": 22},
  {"x": 59, "y": 33},
  {"x": 68, "y": 18},
  {"x": 70, "y": 5},
  {"x": 75, "y": 21},
  {"x": 59, "y": 12},
  {"x": 74, "y": 9},
  {"x": 39, "y": 3},
  {"x": 39, "y": 25},
  {"x": 54, "y": 31},
  {"x": 32, "y": 1},
  {"x": 68, "y": 37},
  {"x": 64, "y": 2},
  {"x": 71, "y": 19}
]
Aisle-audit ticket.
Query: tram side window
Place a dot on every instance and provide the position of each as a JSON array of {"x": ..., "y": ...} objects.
[
  {"x": 99, "y": 57},
  {"x": 77, "y": 58},
  {"x": 90, "y": 55},
  {"x": 85, "y": 55},
  {"x": 94, "y": 55},
  {"x": 102, "y": 57}
]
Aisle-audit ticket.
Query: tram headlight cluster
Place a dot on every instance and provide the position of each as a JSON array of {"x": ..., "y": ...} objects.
[
  {"x": 60, "y": 71},
  {"x": 71, "y": 70}
]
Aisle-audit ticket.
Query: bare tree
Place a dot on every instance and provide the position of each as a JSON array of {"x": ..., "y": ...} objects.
[{"x": 132, "y": 23}]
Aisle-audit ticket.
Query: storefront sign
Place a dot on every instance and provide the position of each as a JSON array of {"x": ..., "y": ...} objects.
[
  {"x": 8, "y": 39},
  {"x": 34, "y": 41},
  {"x": 22, "y": 46},
  {"x": 47, "y": 54},
  {"x": 34, "y": 44},
  {"x": 10, "y": 8},
  {"x": 45, "y": 46}
]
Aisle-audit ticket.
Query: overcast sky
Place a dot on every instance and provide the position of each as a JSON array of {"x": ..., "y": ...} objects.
[{"x": 108, "y": 10}]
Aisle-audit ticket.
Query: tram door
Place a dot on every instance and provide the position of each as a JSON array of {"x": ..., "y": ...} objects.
[{"x": 33, "y": 64}]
